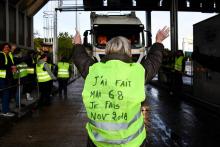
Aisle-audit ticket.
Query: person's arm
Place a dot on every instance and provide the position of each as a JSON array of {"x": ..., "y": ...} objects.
[
  {"x": 80, "y": 58},
  {"x": 153, "y": 60},
  {"x": 47, "y": 68},
  {"x": 54, "y": 69},
  {"x": 70, "y": 70}
]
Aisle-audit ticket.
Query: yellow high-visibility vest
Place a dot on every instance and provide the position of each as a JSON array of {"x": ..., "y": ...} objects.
[
  {"x": 178, "y": 63},
  {"x": 63, "y": 70},
  {"x": 42, "y": 76},
  {"x": 30, "y": 70},
  {"x": 22, "y": 70},
  {"x": 3, "y": 72},
  {"x": 112, "y": 96}
]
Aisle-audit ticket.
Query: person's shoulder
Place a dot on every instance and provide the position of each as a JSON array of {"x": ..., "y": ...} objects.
[{"x": 157, "y": 47}]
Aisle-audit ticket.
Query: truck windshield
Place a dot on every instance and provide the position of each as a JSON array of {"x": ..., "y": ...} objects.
[{"x": 103, "y": 33}]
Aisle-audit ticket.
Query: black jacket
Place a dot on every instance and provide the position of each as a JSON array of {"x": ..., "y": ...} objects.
[{"x": 151, "y": 62}]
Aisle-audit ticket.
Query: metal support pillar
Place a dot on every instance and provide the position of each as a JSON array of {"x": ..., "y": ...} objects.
[
  {"x": 55, "y": 43},
  {"x": 17, "y": 21},
  {"x": 32, "y": 32},
  {"x": 25, "y": 29},
  {"x": 148, "y": 20},
  {"x": 17, "y": 25},
  {"x": 76, "y": 15},
  {"x": 7, "y": 20},
  {"x": 174, "y": 25},
  {"x": 19, "y": 94},
  {"x": 148, "y": 28}
]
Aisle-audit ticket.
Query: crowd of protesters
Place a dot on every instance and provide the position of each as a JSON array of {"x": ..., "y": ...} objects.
[
  {"x": 172, "y": 70},
  {"x": 23, "y": 71}
]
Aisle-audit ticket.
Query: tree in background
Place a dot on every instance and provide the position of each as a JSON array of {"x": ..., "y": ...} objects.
[
  {"x": 65, "y": 45},
  {"x": 37, "y": 43}
]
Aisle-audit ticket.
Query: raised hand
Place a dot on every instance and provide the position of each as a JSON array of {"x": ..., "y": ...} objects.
[
  {"x": 162, "y": 34},
  {"x": 77, "y": 38}
]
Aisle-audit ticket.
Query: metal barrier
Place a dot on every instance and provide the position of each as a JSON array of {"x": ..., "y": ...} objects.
[{"x": 18, "y": 94}]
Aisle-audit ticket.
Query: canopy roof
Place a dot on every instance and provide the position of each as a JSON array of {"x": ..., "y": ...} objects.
[
  {"x": 153, "y": 5},
  {"x": 30, "y": 6},
  {"x": 33, "y": 6}
]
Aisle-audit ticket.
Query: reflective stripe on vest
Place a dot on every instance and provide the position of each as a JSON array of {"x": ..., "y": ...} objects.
[
  {"x": 30, "y": 70},
  {"x": 11, "y": 57},
  {"x": 3, "y": 72},
  {"x": 114, "y": 126},
  {"x": 178, "y": 63},
  {"x": 22, "y": 71},
  {"x": 113, "y": 103},
  {"x": 63, "y": 70},
  {"x": 122, "y": 141},
  {"x": 42, "y": 75},
  {"x": 6, "y": 59}
]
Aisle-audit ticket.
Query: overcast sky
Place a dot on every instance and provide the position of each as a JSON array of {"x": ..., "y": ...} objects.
[{"x": 67, "y": 22}]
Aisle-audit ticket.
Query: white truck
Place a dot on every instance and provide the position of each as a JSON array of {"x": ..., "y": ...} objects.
[{"x": 105, "y": 27}]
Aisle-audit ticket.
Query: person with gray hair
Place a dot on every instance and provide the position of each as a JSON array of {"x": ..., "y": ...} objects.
[
  {"x": 119, "y": 45},
  {"x": 114, "y": 90}
]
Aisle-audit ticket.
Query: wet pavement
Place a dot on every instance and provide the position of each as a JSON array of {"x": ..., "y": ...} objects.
[
  {"x": 62, "y": 124},
  {"x": 173, "y": 123}
]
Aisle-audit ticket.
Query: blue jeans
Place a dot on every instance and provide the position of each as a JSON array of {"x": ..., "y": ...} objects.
[{"x": 5, "y": 95}]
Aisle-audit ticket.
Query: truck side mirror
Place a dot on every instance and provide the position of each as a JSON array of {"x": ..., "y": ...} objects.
[{"x": 85, "y": 39}]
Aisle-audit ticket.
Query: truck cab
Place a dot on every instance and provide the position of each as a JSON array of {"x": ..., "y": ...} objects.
[{"x": 105, "y": 27}]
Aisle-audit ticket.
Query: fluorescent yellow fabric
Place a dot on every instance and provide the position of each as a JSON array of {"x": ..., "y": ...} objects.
[
  {"x": 178, "y": 63},
  {"x": 30, "y": 70},
  {"x": 22, "y": 70},
  {"x": 112, "y": 95},
  {"x": 42, "y": 76},
  {"x": 3, "y": 72},
  {"x": 63, "y": 70}
]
